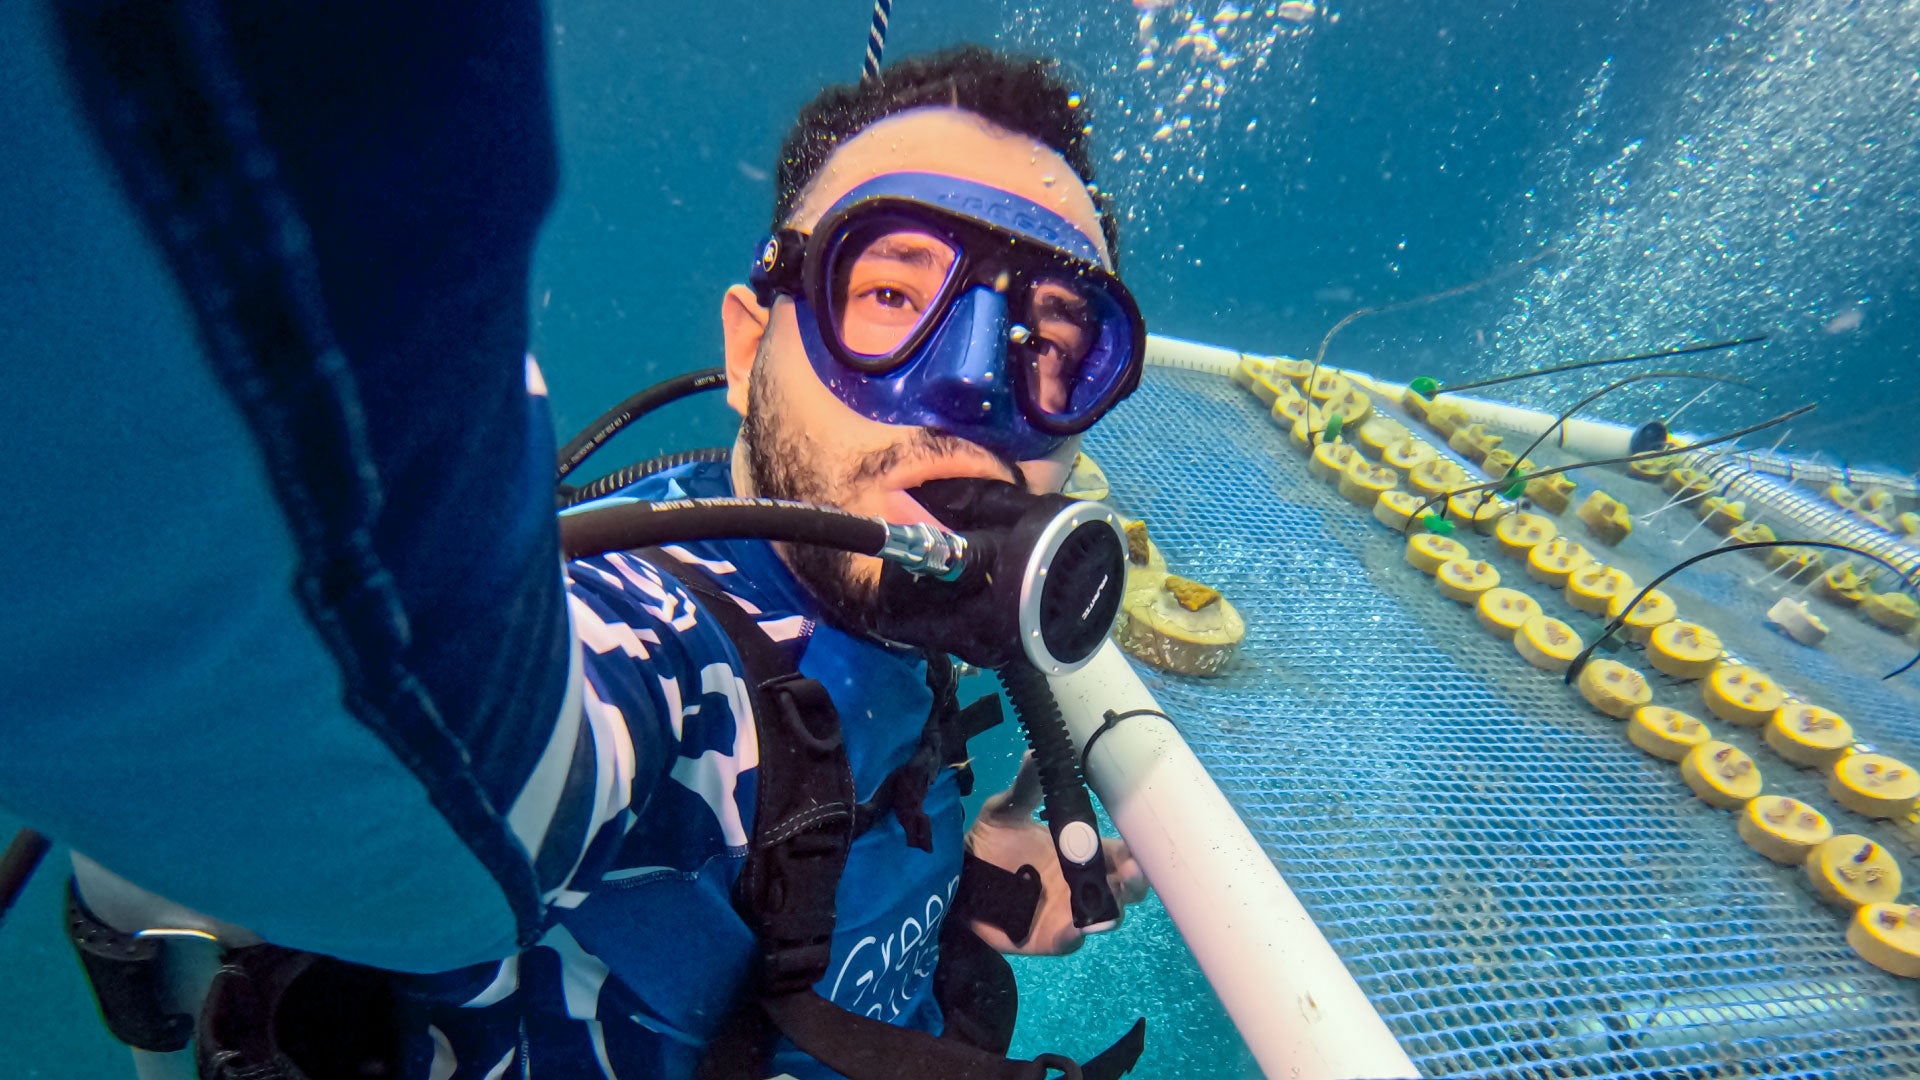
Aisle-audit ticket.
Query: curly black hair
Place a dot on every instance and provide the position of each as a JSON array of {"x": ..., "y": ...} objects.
[{"x": 1023, "y": 95}]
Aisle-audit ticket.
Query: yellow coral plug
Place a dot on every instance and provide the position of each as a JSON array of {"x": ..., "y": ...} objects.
[
  {"x": 1394, "y": 509},
  {"x": 1894, "y": 610},
  {"x": 1551, "y": 493},
  {"x": 1593, "y": 587},
  {"x": 1554, "y": 561},
  {"x": 1378, "y": 433},
  {"x": 1547, "y": 643},
  {"x": 1614, "y": 688},
  {"x": 1474, "y": 442},
  {"x": 1803, "y": 559},
  {"x": 1518, "y": 534},
  {"x": 1843, "y": 585},
  {"x": 1667, "y": 734},
  {"x": 1680, "y": 477},
  {"x": 1437, "y": 476},
  {"x": 1289, "y": 408},
  {"x": 1480, "y": 511},
  {"x": 1783, "y": 829},
  {"x": 1445, "y": 416},
  {"x": 1464, "y": 580},
  {"x": 1722, "y": 515},
  {"x": 1683, "y": 650},
  {"x": 1874, "y": 785},
  {"x": 1888, "y": 937},
  {"x": 1808, "y": 735},
  {"x": 1408, "y": 454},
  {"x": 1328, "y": 385},
  {"x": 1721, "y": 774},
  {"x": 1742, "y": 695},
  {"x": 1654, "y": 469},
  {"x": 1605, "y": 517},
  {"x": 1428, "y": 551},
  {"x": 1653, "y": 609},
  {"x": 1498, "y": 463},
  {"x": 1851, "y": 870},
  {"x": 1329, "y": 460},
  {"x": 1351, "y": 406},
  {"x": 1361, "y": 482},
  {"x": 1502, "y": 611}
]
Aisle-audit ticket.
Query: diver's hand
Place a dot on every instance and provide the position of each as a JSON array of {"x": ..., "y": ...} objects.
[{"x": 1006, "y": 835}]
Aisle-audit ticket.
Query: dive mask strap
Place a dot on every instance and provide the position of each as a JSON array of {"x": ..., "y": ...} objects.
[{"x": 776, "y": 266}]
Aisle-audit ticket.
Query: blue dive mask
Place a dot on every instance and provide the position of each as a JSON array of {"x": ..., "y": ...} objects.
[{"x": 931, "y": 301}]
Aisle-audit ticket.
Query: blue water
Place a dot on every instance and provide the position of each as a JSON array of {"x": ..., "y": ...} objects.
[
  {"x": 1695, "y": 170},
  {"x": 1698, "y": 171}
]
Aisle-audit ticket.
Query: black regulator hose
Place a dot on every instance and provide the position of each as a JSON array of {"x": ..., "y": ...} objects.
[
  {"x": 1065, "y": 804},
  {"x": 620, "y": 478},
  {"x": 594, "y": 435},
  {"x": 648, "y": 524},
  {"x": 17, "y": 864}
]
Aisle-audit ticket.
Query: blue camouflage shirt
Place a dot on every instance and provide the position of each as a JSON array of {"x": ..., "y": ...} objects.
[{"x": 646, "y": 955}]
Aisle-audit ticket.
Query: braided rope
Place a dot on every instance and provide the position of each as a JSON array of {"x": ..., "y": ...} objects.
[{"x": 876, "y": 39}]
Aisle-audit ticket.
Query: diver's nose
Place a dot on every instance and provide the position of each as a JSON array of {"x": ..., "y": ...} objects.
[{"x": 969, "y": 386}]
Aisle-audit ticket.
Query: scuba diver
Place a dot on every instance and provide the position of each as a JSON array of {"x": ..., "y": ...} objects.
[{"x": 691, "y": 809}]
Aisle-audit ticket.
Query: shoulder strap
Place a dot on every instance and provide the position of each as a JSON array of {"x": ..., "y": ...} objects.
[{"x": 805, "y": 819}]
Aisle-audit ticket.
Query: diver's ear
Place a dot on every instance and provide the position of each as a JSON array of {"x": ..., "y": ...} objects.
[{"x": 744, "y": 323}]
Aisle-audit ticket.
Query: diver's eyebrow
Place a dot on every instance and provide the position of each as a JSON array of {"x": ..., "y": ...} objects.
[
  {"x": 902, "y": 250},
  {"x": 1060, "y": 303}
]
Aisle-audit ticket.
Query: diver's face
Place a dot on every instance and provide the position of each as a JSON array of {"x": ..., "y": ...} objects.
[{"x": 803, "y": 442}]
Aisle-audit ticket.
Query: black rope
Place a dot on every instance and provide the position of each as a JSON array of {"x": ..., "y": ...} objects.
[
  {"x": 1493, "y": 485},
  {"x": 1657, "y": 354},
  {"x": 17, "y": 865},
  {"x": 1320, "y": 354},
  {"x": 1110, "y": 721},
  {"x": 1559, "y": 424},
  {"x": 1620, "y": 620}
]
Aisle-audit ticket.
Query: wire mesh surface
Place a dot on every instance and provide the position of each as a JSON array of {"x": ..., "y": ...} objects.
[{"x": 1518, "y": 889}]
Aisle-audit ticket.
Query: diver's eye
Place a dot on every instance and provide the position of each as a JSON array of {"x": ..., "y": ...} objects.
[
  {"x": 1053, "y": 368},
  {"x": 888, "y": 297},
  {"x": 884, "y": 287}
]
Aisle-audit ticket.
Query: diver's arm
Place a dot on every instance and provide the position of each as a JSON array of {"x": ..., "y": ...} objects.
[{"x": 285, "y": 635}]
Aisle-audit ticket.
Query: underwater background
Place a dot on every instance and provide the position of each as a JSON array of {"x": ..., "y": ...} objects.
[{"x": 1629, "y": 175}]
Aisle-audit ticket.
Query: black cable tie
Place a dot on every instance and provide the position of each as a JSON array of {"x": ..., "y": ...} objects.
[{"x": 1110, "y": 720}]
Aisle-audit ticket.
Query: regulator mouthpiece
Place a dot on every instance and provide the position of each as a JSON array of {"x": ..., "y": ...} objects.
[{"x": 1042, "y": 578}]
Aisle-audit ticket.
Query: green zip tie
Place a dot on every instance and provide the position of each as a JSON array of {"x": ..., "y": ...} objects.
[
  {"x": 1425, "y": 386},
  {"x": 1332, "y": 432},
  {"x": 1436, "y": 524}
]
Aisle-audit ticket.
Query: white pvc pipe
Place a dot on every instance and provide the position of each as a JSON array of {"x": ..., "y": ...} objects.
[
  {"x": 1295, "y": 1004},
  {"x": 1180, "y": 353},
  {"x": 1588, "y": 438}
]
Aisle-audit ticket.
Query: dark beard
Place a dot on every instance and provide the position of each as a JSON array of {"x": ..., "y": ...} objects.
[
  {"x": 775, "y": 463},
  {"x": 784, "y": 464}
]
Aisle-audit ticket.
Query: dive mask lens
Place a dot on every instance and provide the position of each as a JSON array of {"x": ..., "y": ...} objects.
[
  {"x": 1074, "y": 350},
  {"x": 890, "y": 281}
]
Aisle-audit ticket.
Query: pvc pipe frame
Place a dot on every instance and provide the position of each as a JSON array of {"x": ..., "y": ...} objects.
[
  {"x": 1295, "y": 1004},
  {"x": 1600, "y": 438},
  {"x": 1592, "y": 438},
  {"x": 1293, "y": 1000}
]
